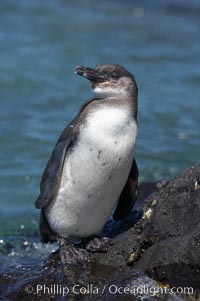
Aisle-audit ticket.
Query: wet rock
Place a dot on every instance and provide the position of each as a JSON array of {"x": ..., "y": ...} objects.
[
  {"x": 167, "y": 238},
  {"x": 94, "y": 283}
]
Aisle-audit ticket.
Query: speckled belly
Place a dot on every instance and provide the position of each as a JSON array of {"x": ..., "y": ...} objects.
[{"x": 93, "y": 177}]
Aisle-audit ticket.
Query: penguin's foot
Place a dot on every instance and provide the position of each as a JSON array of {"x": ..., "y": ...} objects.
[
  {"x": 98, "y": 244},
  {"x": 71, "y": 254}
]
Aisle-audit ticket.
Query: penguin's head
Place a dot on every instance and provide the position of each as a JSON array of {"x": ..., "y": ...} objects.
[{"x": 109, "y": 80}]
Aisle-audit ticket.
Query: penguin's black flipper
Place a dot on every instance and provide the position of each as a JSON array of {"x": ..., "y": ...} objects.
[
  {"x": 128, "y": 195},
  {"x": 52, "y": 174}
]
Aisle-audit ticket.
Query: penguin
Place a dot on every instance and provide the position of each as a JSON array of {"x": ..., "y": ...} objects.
[{"x": 92, "y": 171}]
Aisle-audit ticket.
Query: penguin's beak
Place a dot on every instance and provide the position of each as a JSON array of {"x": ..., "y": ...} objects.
[{"x": 91, "y": 74}]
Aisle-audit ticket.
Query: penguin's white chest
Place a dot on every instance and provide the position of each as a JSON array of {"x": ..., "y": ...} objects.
[{"x": 94, "y": 174}]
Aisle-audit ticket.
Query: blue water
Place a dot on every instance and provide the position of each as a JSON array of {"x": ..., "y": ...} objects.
[{"x": 42, "y": 41}]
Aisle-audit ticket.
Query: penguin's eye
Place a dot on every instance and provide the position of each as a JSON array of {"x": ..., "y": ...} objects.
[{"x": 114, "y": 76}]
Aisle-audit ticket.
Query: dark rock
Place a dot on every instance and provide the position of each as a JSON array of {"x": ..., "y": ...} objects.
[
  {"x": 167, "y": 238},
  {"x": 94, "y": 283}
]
